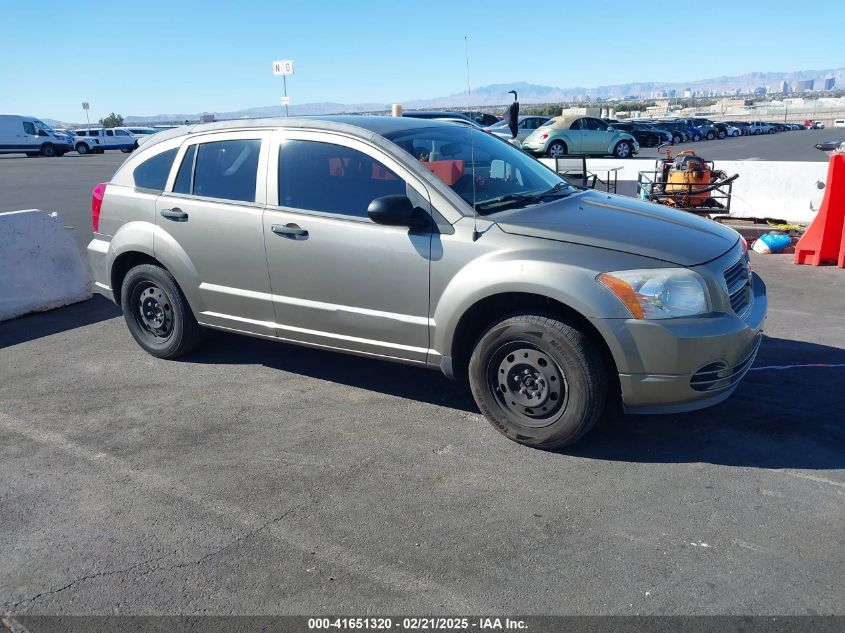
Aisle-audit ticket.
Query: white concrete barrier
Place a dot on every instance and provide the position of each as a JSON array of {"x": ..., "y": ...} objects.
[
  {"x": 40, "y": 265},
  {"x": 765, "y": 189}
]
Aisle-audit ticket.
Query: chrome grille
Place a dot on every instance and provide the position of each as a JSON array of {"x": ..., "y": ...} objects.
[
  {"x": 718, "y": 376},
  {"x": 738, "y": 283}
]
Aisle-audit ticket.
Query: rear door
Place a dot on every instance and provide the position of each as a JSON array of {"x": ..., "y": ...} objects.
[
  {"x": 211, "y": 216},
  {"x": 338, "y": 279}
]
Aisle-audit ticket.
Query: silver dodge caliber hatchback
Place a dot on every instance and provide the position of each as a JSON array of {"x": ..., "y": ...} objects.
[{"x": 435, "y": 245}]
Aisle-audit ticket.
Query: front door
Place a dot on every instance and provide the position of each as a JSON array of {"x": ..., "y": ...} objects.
[
  {"x": 211, "y": 218},
  {"x": 596, "y": 136},
  {"x": 338, "y": 279}
]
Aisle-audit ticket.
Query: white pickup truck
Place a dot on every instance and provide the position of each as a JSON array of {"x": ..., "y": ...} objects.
[{"x": 109, "y": 138}]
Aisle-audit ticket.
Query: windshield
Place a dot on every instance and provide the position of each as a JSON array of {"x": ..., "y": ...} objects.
[
  {"x": 502, "y": 123},
  {"x": 42, "y": 126},
  {"x": 482, "y": 168}
]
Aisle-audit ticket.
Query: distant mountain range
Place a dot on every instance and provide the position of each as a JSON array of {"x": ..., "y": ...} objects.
[{"x": 497, "y": 94}]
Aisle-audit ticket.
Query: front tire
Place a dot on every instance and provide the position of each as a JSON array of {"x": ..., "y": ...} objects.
[
  {"x": 696, "y": 137},
  {"x": 538, "y": 381},
  {"x": 81, "y": 148},
  {"x": 157, "y": 313},
  {"x": 623, "y": 149},
  {"x": 676, "y": 139},
  {"x": 556, "y": 149},
  {"x": 48, "y": 150},
  {"x": 710, "y": 136}
]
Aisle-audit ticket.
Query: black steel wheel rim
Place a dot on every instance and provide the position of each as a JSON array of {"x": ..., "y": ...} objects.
[
  {"x": 152, "y": 309},
  {"x": 527, "y": 383}
]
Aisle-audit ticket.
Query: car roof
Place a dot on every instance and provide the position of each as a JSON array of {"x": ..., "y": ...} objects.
[{"x": 358, "y": 125}]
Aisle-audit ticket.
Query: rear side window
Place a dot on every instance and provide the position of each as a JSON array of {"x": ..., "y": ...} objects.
[
  {"x": 332, "y": 178},
  {"x": 227, "y": 169},
  {"x": 153, "y": 172}
]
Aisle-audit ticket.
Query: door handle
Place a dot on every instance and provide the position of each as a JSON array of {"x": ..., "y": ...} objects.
[
  {"x": 289, "y": 230},
  {"x": 175, "y": 214}
]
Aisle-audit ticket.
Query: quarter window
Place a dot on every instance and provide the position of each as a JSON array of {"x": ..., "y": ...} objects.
[
  {"x": 227, "y": 169},
  {"x": 153, "y": 172},
  {"x": 332, "y": 178}
]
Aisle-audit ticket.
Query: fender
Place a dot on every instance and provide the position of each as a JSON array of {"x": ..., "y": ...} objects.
[{"x": 541, "y": 271}]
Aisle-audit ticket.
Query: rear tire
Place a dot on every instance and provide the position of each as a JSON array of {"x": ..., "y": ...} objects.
[
  {"x": 696, "y": 137},
  {"x": 676, "y": 139},
  {"x": 126, "y": 150},
  {"x": 81, "y": 148},
  {"x": 710, "y": 136},
  {"x": 556, "y": 149},
  {"x": 48, "y": 150},
  {"x": 157, "y": 313},
  {"x": 538, "y": 381}
]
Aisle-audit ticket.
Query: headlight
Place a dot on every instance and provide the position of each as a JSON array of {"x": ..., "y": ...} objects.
[{"x": 659, "y": 293}]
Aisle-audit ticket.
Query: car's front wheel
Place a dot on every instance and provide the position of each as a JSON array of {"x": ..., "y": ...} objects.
[
  {"x": 623, "y": 149},
  {"x": 556, "y": 149},
  {"x": 157, "y": 313},
  {"x": 48, "y": 150},
  {"x": 81, "y": 148},
  {"x": 710, "y": 136},
  {"x": 676, "y": 139},
  {"x": 538, "y": 380}
]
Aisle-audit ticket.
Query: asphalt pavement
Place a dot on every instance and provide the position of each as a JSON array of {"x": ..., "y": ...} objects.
[
  {"x": 255, "y": 477},
  {"x": 794, "y": 145}
]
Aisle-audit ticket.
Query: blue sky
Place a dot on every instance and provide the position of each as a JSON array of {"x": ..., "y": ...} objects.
[{"x": 186, "y": 56}]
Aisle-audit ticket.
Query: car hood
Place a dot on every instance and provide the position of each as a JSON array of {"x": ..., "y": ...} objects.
[{"x": 622, "y": 224}]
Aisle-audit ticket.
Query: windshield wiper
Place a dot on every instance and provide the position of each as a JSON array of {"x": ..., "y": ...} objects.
[{"x": 523, "y": 197}]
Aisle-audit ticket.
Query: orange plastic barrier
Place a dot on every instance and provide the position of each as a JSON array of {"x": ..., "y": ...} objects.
[
  {"x": 824, "y": 240},
  {"x": 449, "y": 171}
]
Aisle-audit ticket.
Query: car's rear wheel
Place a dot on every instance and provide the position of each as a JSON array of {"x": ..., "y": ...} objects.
[
  {"x": 48, "y": 150},
  {"x": 81, "y": 148},
  {"x": 676, "y": 139},
  {"x": 710, "y": 136},
  {"x": 623, "y": 149},
  {"x": 556, "y": 149},
  {"x": 538, "y": 380},
  {"x": 126, "y": 150},
  {"x": 696, "y": 137},
  {"x": 722, "y": 134},
  {"x": 157, "y": 313}
]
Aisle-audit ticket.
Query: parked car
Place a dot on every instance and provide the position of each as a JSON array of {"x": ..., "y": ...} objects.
[
  {"x": 839, "y": 123},
  {"x": 484, "y": 119},
  {"x": 30, "y": 136},
  {"x": 139, "y": 132},
  {"x": 580, "y": 135},
  {"x": 741, "y": 126},
  {"x": 109, "y": 138},
  {"x": 526, "y": 124},
  {"x": 359, "y": 234},
  {"x": 705, "y": 127},
  {"x": 758, "y": 127},
  {"x": 732, "y": 130},
  {"x": 813, "y": 125},
  {"x": 721, "y": 129},
  {"x": 83, "y": 144},
  {"x": 436, "y": 114},
  {"x": 680, "y": 133},
  {"x": 646, "y": 136}
]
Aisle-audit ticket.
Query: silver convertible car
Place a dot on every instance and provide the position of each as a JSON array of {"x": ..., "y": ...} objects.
[{"x": 430, "y": 244}]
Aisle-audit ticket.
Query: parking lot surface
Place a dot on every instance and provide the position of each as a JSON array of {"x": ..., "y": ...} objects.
[
  {"x": 255, "y": 477},
  {"x": 794, "y": 145}
]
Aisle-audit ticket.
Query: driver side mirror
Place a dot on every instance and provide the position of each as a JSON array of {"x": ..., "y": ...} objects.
[
  {"x": 610, "y": 128},
  {"x": 396, "y": 210}
]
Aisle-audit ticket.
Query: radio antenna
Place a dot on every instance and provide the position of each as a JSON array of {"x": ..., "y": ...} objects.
[{"x": 475, "y": 233}]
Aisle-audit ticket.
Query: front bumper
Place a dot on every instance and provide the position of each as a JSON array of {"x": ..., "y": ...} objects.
[{"x": 677, "y": 365}]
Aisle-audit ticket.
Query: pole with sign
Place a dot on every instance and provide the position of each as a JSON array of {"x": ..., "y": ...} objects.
[
  {"x": 284, "y": 68},
  {"x": 86, "y": 107}
]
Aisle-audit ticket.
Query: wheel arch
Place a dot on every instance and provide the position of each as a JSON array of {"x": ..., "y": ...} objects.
[{"x": 485, "y": 312}]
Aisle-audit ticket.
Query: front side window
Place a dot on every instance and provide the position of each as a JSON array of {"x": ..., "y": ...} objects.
[
  {"x": 480, "y": 167},
  {"x": 29, "y": 127},
  {"x": 332, "y": 178},
  {"x": 94, "y": 133},
  {"x": 153, "y": 172},
  {"x": 109, "y": 133},
  {"x": 227, "y": 169}
]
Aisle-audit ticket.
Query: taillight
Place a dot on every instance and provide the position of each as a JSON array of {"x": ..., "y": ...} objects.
[{"x": 96, "y": 205}]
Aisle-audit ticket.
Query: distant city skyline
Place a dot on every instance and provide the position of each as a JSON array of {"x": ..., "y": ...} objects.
[{"x": 216, "y": 56}]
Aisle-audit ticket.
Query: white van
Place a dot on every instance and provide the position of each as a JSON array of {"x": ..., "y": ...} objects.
[
  {"x": 109, "y": 138},
  {"x": 27, "y": 135},
  {"x": 839, "y": 123}
]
